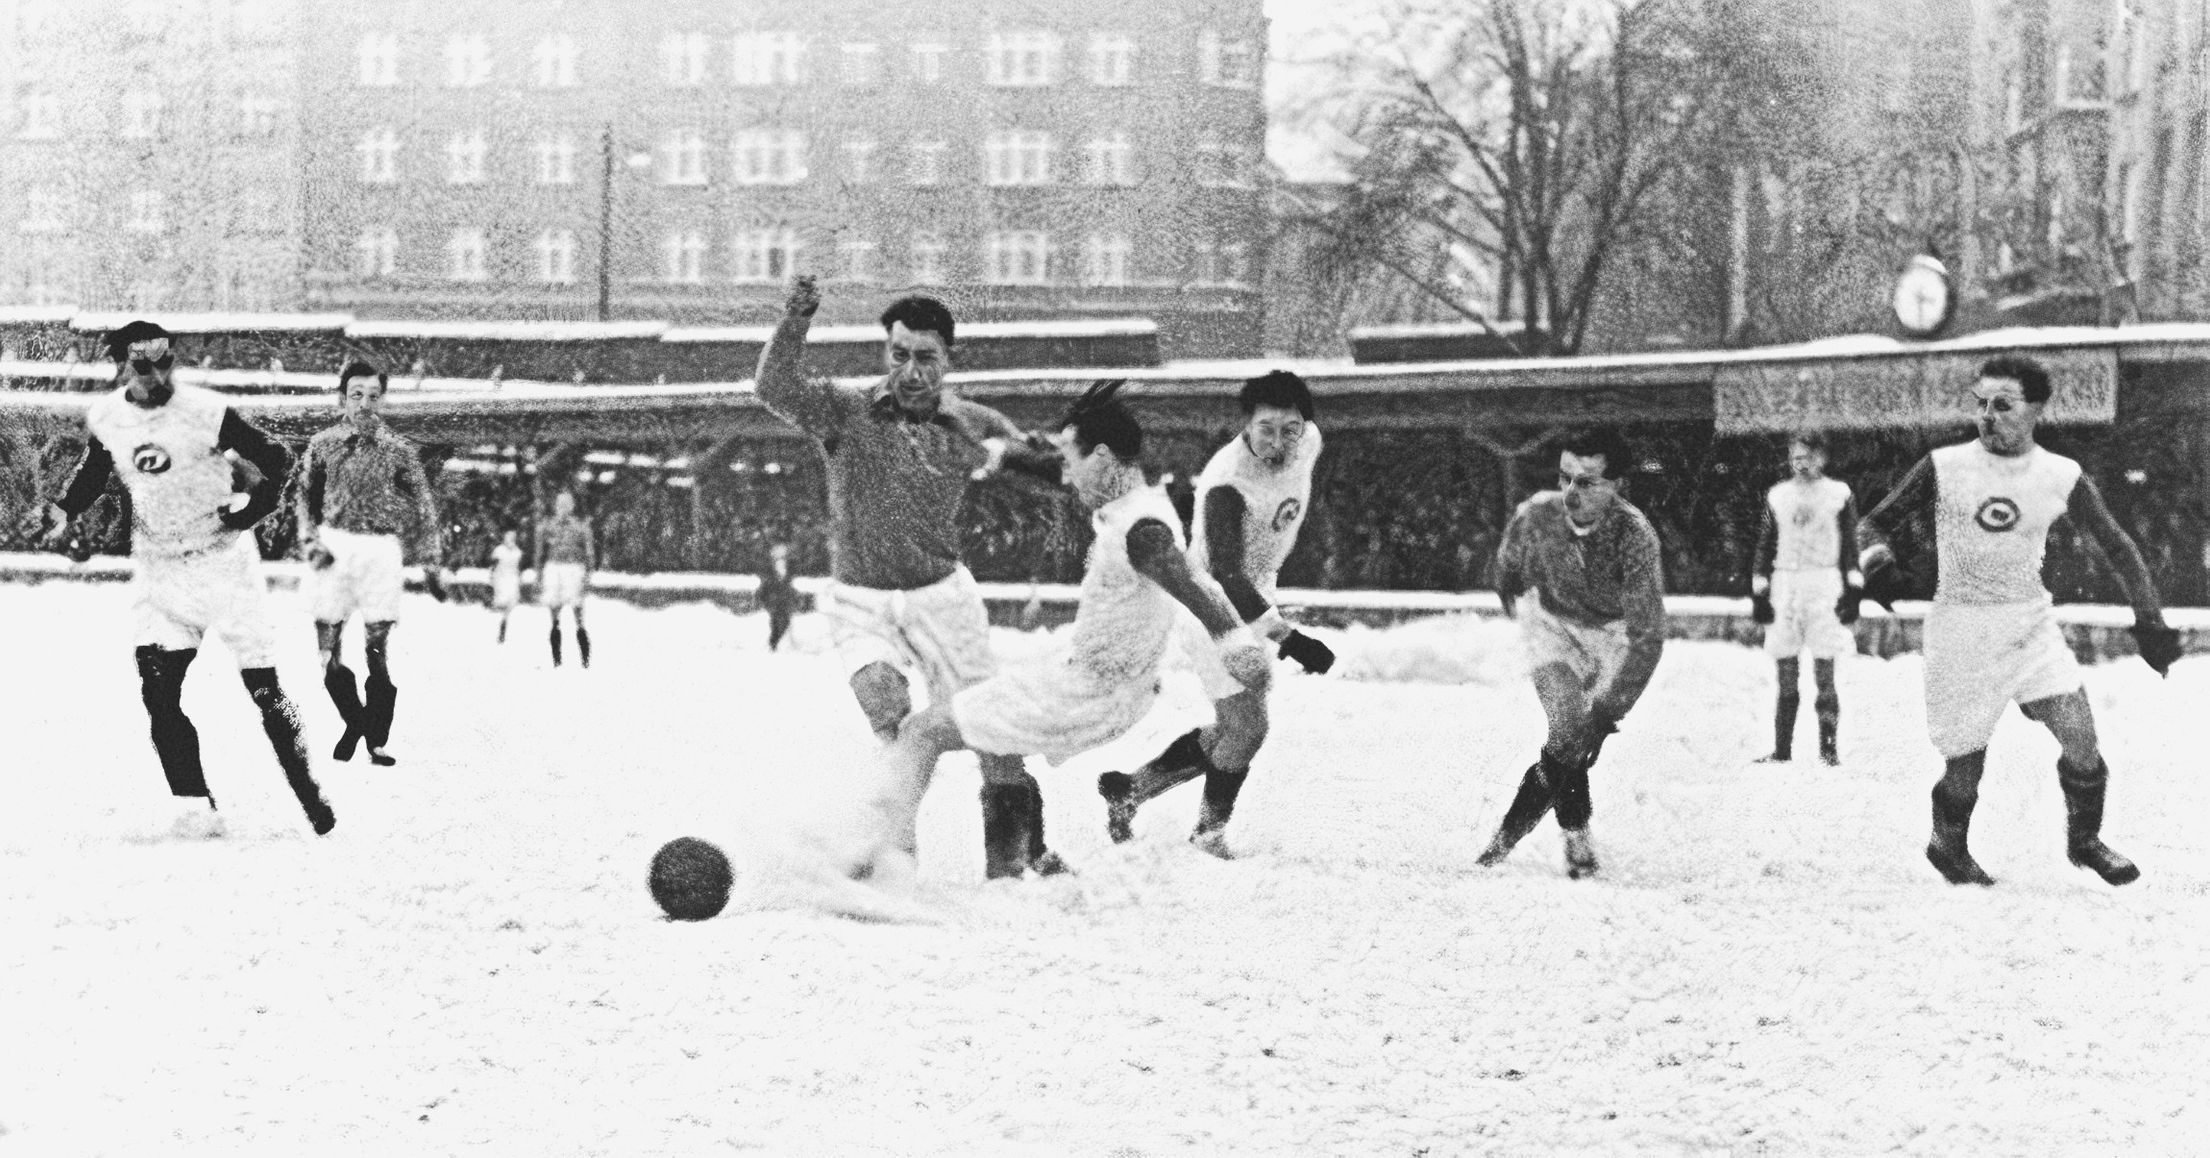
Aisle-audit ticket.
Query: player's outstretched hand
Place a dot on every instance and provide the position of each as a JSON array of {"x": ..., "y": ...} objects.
[
  {"x": 805, "y": 297},
  {"x": 1248, "y": 663},
  {"x": 1761, "y": 609},
  {"x": 433, "y": 581},
  {"x": 2159, "y": 645},
  {"x": 1314, "y": 656}
]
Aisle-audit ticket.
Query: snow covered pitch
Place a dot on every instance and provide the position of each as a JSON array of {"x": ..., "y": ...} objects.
[{"x": 471, "y": 963}]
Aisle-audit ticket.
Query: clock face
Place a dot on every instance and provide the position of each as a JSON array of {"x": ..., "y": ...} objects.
[{"x": 1923, "y": 297}]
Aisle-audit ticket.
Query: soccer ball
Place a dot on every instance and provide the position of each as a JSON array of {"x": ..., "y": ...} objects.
[{"x": 690, "y": 879}]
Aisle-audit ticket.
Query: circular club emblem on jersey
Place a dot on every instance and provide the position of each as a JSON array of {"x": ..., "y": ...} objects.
[
  {"x": 1287, "y": 513},
  {"x": 149, "y": 459},
  {"x": 1997, "y": 514}
]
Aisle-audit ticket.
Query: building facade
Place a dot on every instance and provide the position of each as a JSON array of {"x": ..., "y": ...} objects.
[
  {"x": 149, "y": 154},
  {"x": 679, "y": 160},
  {"x": 2159, "y": 63}
]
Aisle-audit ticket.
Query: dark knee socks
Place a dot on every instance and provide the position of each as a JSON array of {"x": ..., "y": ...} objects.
[{"x": 175, "y": 740}]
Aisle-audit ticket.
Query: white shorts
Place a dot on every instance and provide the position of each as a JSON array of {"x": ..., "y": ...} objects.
[
  {"x": 367, "y": 577},
  {"x": 941, "y": 631},
  {"x": 561, "y": 585},
  {"x": 506, "y": 590},
  {"x": 1047, "y": 707},
  {"x": 1593, "y": 654},
  {"x": 177, "y": 601},
  {"x": 1804, "y": 616},
  {"x": 1981, "y": 659},
  {"x": 1204, "y": 658}
]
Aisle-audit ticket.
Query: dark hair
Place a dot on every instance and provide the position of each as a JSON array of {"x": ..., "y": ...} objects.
[
  {"x": 2025, "y": 371},
  {"x": 1595, "y": 442},
  {"x": 360, "y": 369},
  {"x": 919, "y": 312},
  {"x": 119, "y": 340},
  {"x": 1809, "y": 440},
  {"x": 1276, "y": 388},
  {"x": 1099, "y": 418}
]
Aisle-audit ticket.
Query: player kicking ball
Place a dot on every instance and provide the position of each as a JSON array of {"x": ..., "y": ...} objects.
[
  {"x": 1251, "y": 501},
  {"x": 1805, "y": 588},
  {"x": 1991, "y": 638},
  {"x": 1579, "y": 569},
  {"x": 1106, "y": 679}
]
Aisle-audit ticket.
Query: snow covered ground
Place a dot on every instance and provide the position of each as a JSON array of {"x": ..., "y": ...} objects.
[{"x": 471, "y": 964}]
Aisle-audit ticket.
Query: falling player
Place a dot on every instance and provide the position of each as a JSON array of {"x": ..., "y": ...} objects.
[
  {"x": 364, "y": 505},
  {"x": 1251, "y": 502},
  {"x": 506, "y": 578},
  {"x": 1594, "y": 628},
  {"x": 1991, "y": 635},
  {"x": 900, "y": 454},
  {"x": 1106, "y": 678},
  {"x": 1805, "y": 588},
  {"x": 198, "y": 567},
  {"x": 567, "y": 552}
]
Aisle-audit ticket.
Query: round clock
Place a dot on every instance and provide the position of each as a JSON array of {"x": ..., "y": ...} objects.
[{"x": 1924, "y": 297}]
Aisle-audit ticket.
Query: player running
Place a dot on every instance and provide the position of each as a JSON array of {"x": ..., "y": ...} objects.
[
  {"x": 1251, "y": 500},
  {"x": 1594, "y": 629},
  {"x": 1805, "y": 588},
  {"x": 567, "y": 552},
  {"x": 1106, "y": 678},
  {"x": 1987, "y": 507},
  {"x": 506, "y": 578},
  {"x": 198, "y": 568},
  {"x": 900, "y": 454},
  {"x": 361, "y": 490}
]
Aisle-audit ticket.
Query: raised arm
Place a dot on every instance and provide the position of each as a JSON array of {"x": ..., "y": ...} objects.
[
  {"x": 267, "y": 455},
  {"x": 1642, "y": 597},
  {"x": 811, "y": 404},
  {"x": 2087, "y": 509}
]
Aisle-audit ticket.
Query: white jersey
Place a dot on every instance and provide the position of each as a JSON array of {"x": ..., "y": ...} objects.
[
  {"x": 1274, "y": 505},
  {"x": 1807, "y": 520},
  {"x": 1124, "y": 621},
  {"x": 506, "y": 562},
  {"x": 170, "y": 459},
  {"x": 1992, "y": 518}
]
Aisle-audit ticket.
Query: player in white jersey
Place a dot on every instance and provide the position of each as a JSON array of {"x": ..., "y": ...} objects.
[
  {"x": 506, "y": 578},
  {"x": 199, "y": 569},
  {"x": 1805, "y": 588},
  {"x": 1986, "y": 507},
  {"x": 1135, "y": 586},
  {"x": 1251, "y": 502}
]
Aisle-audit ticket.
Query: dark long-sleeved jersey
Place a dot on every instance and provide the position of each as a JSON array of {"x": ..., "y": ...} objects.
[{"x": 1609, "y": 573}]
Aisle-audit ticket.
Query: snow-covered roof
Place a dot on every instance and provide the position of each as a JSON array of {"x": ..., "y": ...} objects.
[
  {"x": 507, "y": 331},
  {"x": 187, "y": 323},
  {"x": 1067, "y": 328},
  {"x": 22, "y": 314},
  {"x": 1467, "y": 329}
]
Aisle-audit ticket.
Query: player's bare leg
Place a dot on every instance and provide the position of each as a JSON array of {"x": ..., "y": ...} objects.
[
  {"x": 1828, "y": 705},
  {"x": 380, "y": 697},
  {"x": 344, "y": 690},
  {"x": 2085, "y": 779},
  {"x": 1955, "y": 796},
  {"x": 1788, "y": 674}
]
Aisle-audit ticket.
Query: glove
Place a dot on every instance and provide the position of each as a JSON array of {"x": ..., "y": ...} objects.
[
  {"x": 433, "y": 581},
  {"x": 235, "y": 520},
  {"x": 2159, "y": 645},
  {"x": 79, "y": 548},
  {"x": 1883, "y": 580},
  {"x": 1849, "y": 605},
  {"x": 1316, "y": 657},
  {"x": 1761, "y": 609}
]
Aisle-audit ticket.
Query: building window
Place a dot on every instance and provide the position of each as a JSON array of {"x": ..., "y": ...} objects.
[
  {"x": 1017, "y": 257},
  {"x": 1112, "y": 160},
  {"x": 556, "y": 160},
  {"x": 464, "y": 153},
  {"x": 764, "y": 58},
  {"x": 379, "y": 156},
  {"x": 1019, "y": 157},
  {"x": 376, "y": 252},
  {"x": 464, "y": 256},
  {"x": 925, "y": 162},
  {"x": 856, "y": 257},
  {"x": 1227, "y": 61},
  {"x": 556, "y": 257},
  {"x": 859, "y": 161},
  {"x": 860, "y": 64},
  {"x": 1112, "y": 59},
  {"x": 257, "y": 115},
  {"x": 2056, "y": 225},
  {"x": 380, "y": 59},
  {"x": 142, "y": 115},
  {"x": 41, "y": 117},
  {"x": 684, "y": 257},
  {"x": 468, "y": 61},
  {"x": 929, "y": 249},
  {"x": 769, "y": 157},
  {"x": 1221, "y": 163},
  {"x": 765, "y": 255},
  {"x": 1019, "y": 59},
  {"x": 1219, "y": 264},
  {"x": 1105, "y": 260},
  {"x": 683, "y": 158},
  {"x": 556, "y": 61},
  {"x": 927, "y": 63},
  {"x": 145, "y": 212},
  {"x": 683, "y": 59},
  {"x": 45, "y": 210}
]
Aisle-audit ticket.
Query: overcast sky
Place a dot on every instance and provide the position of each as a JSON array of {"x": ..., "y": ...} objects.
[{"x": 1303, "y": 30}]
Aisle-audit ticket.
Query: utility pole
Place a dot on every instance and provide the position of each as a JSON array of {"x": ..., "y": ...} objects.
[{"x": 606, "y": 221}]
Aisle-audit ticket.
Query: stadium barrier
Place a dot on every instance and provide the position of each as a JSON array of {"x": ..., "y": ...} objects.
[{"x": 2097, "y": 632}]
